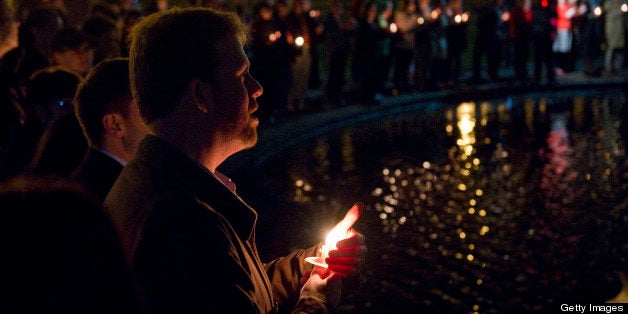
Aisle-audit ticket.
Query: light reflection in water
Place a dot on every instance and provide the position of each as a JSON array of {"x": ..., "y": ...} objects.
[
  {"x": 470, "y": 213},
  {"x": 477, "y": 207}
]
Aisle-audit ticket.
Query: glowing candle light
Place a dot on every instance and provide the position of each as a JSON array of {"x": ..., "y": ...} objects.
[
  {"x": 506, "y": 16},
  {"x": 274, "y": 36},
  {"x": 465, "y": 17},
  {"x": 624, "y": 7},
  {"x": 420, "y": 20},
  {"x": 434, "y": 14},
  {"x": 597, "y": 11},
  {"x": 458, "y": 18},
  {"x": 340, "y": 232},
  {"x": 331, "y": 240},
  {"x": 299, "y": 41},
  {"x": 393, "y": 27}
]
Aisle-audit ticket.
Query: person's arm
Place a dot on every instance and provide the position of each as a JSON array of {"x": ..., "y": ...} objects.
[
  {"x": 285, "y": 274},
  {"x": 317, "y": 290}
]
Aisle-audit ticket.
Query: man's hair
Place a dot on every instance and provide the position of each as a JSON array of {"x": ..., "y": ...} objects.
[
  {"x": 171, "y": 48},
  {"x": 104, "y": 90},
  {"x": 50, "y": 86},
  {"x": 69, "y": 38}
]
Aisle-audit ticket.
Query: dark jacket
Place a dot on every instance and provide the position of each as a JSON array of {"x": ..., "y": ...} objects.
[
  {"x": 191, "y": 240},
  {"x": 60, "y": 149},
  {"x": 97, "y": 173}
]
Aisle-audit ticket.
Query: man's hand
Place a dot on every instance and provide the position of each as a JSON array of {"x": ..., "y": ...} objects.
[
  {"x": 323, "y": 281},
  {"x": 349, "y": 256}
]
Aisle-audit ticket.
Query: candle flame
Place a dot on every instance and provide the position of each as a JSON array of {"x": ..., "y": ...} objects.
[
  {"x": 299, "y": 41},
  {"x": 465, "y": 17},
  {"x": 334, "y": 236},
  {"x": 393, "y": 27},
  {"x": 506, "y": 16},
  {"x": 597, "y": 11},
  {"x": 435, "y": 14}
]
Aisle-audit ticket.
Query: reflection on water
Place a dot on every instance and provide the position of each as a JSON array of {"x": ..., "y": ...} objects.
[{"x": 474, "y": 207}]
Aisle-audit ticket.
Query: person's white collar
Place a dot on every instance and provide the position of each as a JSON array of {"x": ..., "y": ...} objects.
[{"x": 113, "y": 156}]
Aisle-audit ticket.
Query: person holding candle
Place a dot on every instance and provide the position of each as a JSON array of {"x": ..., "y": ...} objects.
[{"x": 188, "y": 236}]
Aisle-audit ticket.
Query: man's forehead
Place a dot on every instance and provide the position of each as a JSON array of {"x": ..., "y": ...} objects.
[{"x": 231, "y": 51}]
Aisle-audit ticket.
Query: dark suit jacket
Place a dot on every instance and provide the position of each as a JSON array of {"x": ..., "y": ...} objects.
[
  {"x": 191, "y": 240},
  {"x": 97, "y": 173}
]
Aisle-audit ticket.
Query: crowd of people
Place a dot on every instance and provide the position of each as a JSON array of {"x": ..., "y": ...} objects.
[
  {"x": 110, "y": 196},
  {"x": 131, "y": 109},
  {"x": 374, "y": 47}
]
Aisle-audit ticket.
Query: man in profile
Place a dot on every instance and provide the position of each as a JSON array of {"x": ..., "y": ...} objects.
[
  {"x": 188, "y": 236},
  {"x": 111, "y": 123}
]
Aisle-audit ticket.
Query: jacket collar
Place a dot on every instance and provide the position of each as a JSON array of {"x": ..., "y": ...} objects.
[{"x": 201, "y": 182}]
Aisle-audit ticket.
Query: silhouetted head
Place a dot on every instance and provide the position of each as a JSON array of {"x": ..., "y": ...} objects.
[
  {"x": 59, "y": 252},
  {"x": 171, "y": 48}
]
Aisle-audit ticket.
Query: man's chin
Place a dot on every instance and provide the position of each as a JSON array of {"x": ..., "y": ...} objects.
[{"x": 249, "y": 137}]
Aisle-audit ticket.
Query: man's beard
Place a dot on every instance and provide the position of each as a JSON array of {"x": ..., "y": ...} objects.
[{"x": 246, "y": 134}]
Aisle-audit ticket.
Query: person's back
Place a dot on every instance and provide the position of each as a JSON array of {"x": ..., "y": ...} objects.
[{"x": 59, "y": 253}]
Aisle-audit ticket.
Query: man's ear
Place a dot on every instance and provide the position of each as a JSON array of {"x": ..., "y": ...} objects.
[
  {"x": 113, "y": 124},
  {"x": 201, "y": 94}
]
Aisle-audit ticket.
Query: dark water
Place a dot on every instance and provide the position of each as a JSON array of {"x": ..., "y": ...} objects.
[{"x": 515, "y": 204}]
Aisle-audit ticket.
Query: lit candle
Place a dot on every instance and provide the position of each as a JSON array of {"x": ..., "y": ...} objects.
[
  {"x": 331, "y": 240},
  {"x": 340, "y": 232},
  {"x": 299, "y": 41},
  {"x": 393, "y": 27},
  {"x": 434, "y": 15},
  {"x": 274, "y": 36},
  {"x": 465, "y": 17},
  {"x": 506, "y": 16}
]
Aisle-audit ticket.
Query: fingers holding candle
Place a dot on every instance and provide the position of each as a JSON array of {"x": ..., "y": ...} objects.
[
  {"x": 349, "y": 256},
  {"x": 346, "y": 246},
  {"x": 344, "y": 249}
]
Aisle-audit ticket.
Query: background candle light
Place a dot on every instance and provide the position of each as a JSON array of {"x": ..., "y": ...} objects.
[
  {"x": 299, "y": 41},
  {"x": 393, "y": 27}
]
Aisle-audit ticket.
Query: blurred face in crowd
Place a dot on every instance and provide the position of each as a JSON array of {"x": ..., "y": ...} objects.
[
  {"x": 372, "y": 12},
  {"x": 266, "y": 14},
  {"x": 78, "y": 61}
]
